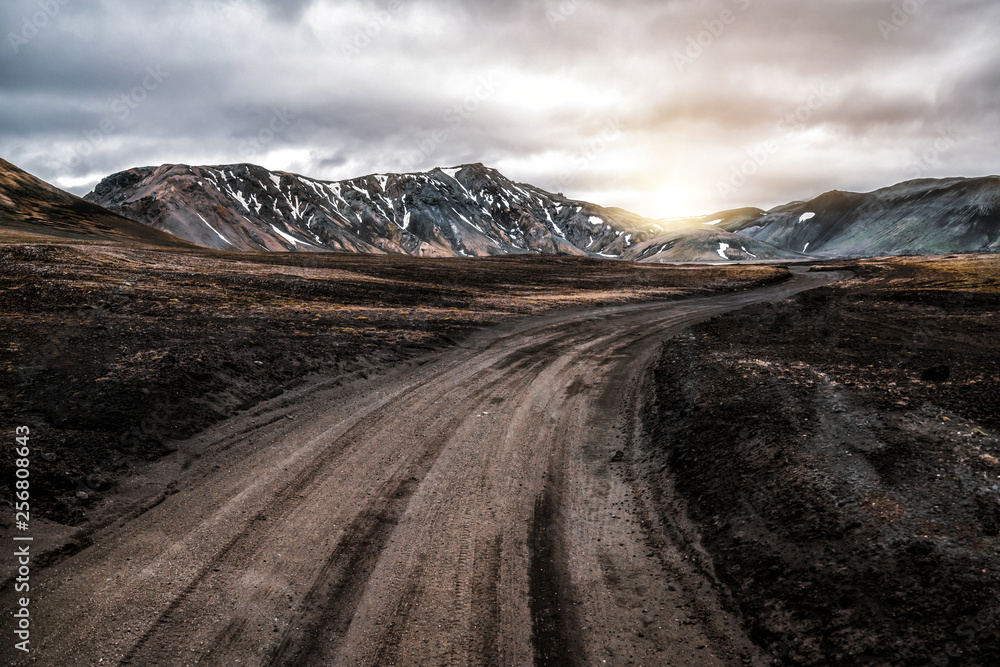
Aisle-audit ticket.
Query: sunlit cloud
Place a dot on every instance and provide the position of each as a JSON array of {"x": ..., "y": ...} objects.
[{"x": 665, "y": 108}]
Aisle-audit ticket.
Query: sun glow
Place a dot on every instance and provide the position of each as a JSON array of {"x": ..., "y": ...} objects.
[{"x": 675, "y": 200}]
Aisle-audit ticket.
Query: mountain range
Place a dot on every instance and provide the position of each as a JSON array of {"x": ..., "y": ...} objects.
[
  {"x": 474, "y": 211},
  {"x": 466, "y": 211}
]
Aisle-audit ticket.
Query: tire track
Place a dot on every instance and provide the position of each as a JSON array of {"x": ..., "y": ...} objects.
[
  {"x": 554, "y": 630},
  {"x": 161, "y": 640},
  {"x": 330, "y": 605},
  {"x": 371, "y": 530},
  {"x": 437, "y": 524},
  {"x": 332, "y": 600},
  {"x": 406, "y": 609},
  {"x": 486, "y": 601},
  {"x": 443, "y": 534}
]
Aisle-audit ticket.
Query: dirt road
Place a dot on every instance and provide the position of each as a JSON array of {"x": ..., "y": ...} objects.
[{"x": 460, "y": 510}]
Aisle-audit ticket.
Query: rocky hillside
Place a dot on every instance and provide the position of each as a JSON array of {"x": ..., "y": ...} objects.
[
  {"x": 30, "y": 207},
  {"x": 927, "y": 217},
  {"x": 702, "y": 242},
  {"x": 466, "y": 211}
]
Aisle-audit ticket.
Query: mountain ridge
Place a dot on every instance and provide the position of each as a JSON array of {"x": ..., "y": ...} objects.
[
  {"x": 470, "y": 210},
  {"x": 465, "y": 211},
  {"x": 473, "y": 210},
  {"x": 919, "y": 217}
]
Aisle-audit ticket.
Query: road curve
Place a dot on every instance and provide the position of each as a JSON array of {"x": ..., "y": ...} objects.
[{"x": 459, "y": 510}]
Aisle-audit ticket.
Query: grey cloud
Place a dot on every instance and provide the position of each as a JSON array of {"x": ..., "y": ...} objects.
[
  {"x": 284, "y": 9},
  {"x": 567, "y": 69}
]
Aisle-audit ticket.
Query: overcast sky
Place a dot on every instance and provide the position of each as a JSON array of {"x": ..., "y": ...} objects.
[{"x": 666, "y": 108}]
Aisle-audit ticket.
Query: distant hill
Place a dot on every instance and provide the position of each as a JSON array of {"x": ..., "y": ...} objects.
[
  {"x": 700, "y": 242},
  {"x": 929, "y": 217},
  {"x": 30, "y": 207}
]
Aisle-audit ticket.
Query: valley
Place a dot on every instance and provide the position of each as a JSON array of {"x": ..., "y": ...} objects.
[
  {"x": 311, "y": 458},
  {"x": 500, "y": 334}
]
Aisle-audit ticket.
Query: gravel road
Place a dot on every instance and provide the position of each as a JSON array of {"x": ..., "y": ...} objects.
[{"x": 461, "y": 509}]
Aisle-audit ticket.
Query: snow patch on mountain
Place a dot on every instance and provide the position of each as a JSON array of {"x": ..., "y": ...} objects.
[
  {"x": 214, "y": 230},
  {"x": 288, "y": 237},
  {"x": 469, "y": 210}
]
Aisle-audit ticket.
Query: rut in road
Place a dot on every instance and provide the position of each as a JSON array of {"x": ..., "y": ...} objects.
[
  {"x": 315, "y": 632},
  {"x": 459, "y": 512}
]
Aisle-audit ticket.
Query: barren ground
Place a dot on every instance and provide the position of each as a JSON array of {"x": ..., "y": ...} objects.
[
  {"x": 336, "y": 461},
  {"x": 113, "y": 354},
  {"x": 845, "y": 503},
  {"x": 320, "y": 485}
]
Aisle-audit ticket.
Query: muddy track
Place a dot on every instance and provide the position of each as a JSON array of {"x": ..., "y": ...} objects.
[{"x": 462, "y": 510}]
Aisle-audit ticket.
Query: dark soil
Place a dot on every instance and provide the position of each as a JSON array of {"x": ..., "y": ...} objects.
[
  {"x": 111, "y": 353},
  {"x": 838, "y": 453}
]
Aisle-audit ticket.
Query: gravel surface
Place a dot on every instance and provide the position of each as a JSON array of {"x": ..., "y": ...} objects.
[{"x": 459, "y": 508}]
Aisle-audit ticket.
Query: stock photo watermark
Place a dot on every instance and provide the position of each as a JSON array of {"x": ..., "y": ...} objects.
[
  {"x": 230, "y": 9},
  {"x": 714, "y": 28},
  {"x": 454, "y": 117},
  {"x": 562, "y": 12},
  {"x": 22, "y": 540},
  {"x": 120, "y": 109},
  {"x": 583, "y": 159},
  {"x": 759, "y": 155},
  {"x": 930, "y": 157},
  {"x": 366, "y": 35},
  {"x": 32, "y": 25},
  {"x": 902, "y": 12}
]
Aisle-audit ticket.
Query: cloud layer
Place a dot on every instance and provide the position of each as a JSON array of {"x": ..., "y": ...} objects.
[{"x": 666, "y": 108}]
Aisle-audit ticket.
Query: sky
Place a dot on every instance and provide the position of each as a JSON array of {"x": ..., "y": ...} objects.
[{"x": 665, "y": 108}]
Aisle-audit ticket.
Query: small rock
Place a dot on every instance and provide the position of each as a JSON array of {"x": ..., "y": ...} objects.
[
  {"x": 82, "y": 496},
  {"x": 259, "y": 363},
  {"x": 97, "y": 483},
  {"x": 49, "y": 456},
  {"x": 939, "y": 373},
  {"x": 618, "y": 457}
]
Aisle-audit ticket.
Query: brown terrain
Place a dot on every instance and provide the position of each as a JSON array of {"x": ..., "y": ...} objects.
[
  {"x": 837, "y": 457},
  {"x": 148, "y": 375},
  {"x": 32, "y": 210},
  {"x": 115, "y": 353},
  {"x": 269, "y": 459}
]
